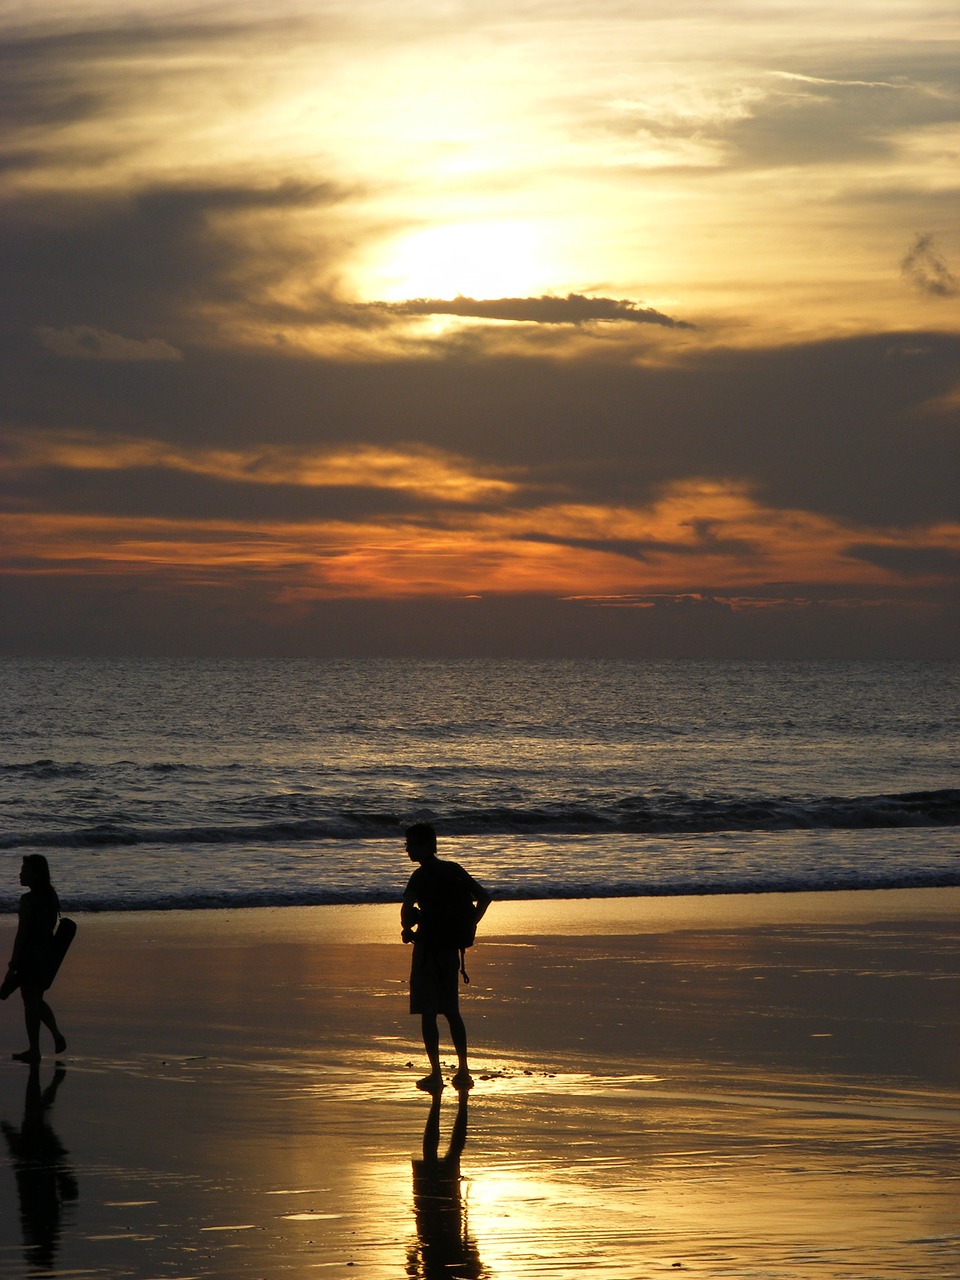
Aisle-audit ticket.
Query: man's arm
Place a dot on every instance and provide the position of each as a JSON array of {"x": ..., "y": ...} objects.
[
  {"x": 482, "y": 898},
  {"x": 409, "y": 915}
]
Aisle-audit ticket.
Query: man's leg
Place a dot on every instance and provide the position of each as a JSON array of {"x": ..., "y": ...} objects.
[
  {"x": 458, "y": 1033},
  {"x": 431, "y": 1042}
]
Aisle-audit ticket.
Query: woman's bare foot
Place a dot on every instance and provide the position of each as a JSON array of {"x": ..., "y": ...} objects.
[{"x": 28, "y": 1055}]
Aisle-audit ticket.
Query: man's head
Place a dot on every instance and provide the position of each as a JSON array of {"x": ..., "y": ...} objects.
[{"x": 421, "y": 841}]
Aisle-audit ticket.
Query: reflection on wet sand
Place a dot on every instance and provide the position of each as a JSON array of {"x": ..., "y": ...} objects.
[
  {"x": 444, "y": 1245},
  {"x": 45, "y": 1178},
  {"x": 702, "y": 1125}
]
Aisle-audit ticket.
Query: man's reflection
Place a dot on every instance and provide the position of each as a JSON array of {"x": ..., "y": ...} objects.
[
  {"x": 45, "y": 1179},
  {"x": 444, "y": 1245}
]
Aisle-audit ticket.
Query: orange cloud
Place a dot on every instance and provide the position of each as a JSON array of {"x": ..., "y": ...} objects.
[
  {"x": 419, "y": 470},
  {"x": 698, "y": 537}
]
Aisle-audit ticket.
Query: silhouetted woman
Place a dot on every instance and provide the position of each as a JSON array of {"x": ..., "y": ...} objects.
[{"x": 32, "y": 962}]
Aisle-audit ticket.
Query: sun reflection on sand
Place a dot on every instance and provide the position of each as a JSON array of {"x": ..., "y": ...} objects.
[{"x": 606, "y": 1188}]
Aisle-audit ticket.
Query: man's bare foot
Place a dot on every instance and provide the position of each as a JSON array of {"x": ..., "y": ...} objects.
[
  {"x": 432, "y": 1083},
  {"x": 463, "y": 1079},
  {"x": 59, "y": 1044},
  {"x": 28, "y": 1055}
]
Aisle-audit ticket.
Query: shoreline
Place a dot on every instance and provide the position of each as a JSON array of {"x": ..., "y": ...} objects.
[
  {"x": 279, "y": 872},
  {"x": 376, "y": 921}
]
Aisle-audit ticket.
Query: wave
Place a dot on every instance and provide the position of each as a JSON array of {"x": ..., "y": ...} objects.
[
  {"x": 674, "y": 815},
  {"x": 43, "y": 770},
  {"x": 156, "y": 899},
  {"x": 46, "y": 770}
]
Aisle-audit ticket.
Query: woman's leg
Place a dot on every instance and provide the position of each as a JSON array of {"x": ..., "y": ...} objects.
[
  {"x": 32, "y": 1000},
  {"x": 37, "y": 1013},
  {"x": 50, "y": 1022}
]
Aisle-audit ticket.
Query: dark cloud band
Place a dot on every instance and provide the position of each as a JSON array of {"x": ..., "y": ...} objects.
[{"x": 574, "y": 309}]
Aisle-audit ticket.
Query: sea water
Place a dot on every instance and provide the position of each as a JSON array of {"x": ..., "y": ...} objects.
[{"x": 198, "y": 783}]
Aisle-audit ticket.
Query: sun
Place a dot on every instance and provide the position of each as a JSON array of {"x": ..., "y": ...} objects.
[{"x": 481, "y": 259}]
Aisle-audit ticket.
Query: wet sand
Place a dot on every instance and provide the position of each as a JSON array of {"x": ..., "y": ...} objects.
[{"x": 725, "y": 1087}]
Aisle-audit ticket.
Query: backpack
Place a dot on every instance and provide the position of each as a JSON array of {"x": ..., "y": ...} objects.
[{"x": 450, "y": 922}]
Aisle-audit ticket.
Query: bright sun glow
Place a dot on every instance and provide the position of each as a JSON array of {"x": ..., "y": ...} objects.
[{"x": 502, "y": 259}]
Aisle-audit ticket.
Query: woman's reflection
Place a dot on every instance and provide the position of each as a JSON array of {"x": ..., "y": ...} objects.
[
  {"x": 444, "y": 1245},
  {"x": 45, "y": 1179}
]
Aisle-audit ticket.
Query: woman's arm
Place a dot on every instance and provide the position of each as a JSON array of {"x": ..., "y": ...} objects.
[{"x": 23, "y": 928}]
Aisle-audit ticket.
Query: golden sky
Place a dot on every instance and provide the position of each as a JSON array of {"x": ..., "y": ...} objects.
[{"x": 634, "y": 326}]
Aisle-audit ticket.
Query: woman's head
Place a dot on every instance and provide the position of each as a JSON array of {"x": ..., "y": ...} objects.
[{"x": 35, "y": 872}]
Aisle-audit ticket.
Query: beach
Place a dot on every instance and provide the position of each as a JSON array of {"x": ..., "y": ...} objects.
[{"x": 733, "y": 1085}]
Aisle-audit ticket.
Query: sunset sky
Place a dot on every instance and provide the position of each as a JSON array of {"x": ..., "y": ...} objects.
[{"x": 529, "y": 328}]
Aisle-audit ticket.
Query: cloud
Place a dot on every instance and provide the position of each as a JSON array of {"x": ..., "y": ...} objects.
[
  {"x": 926, "y": 269},
  {"x": 812, "y": 119},
  {"x": 849, "y": 429},
  {"x": 575, "y": 309},
  {"x": 58, "y": 82},
  {"x": 792, "y": 117},
  {"x": 174, "y": 257},
  {"x": 909, "y": 562},
  {"x": 86, "y": 343},
  {"x": 141, "y": 495},
  {"x": 96, "y": 474},
  {"x": 644, "y": 548}
]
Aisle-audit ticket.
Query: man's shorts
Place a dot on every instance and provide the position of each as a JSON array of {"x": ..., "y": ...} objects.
[{"x": 434, "y": 981}]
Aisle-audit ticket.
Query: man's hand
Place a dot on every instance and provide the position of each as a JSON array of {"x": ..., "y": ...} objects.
[{"x": 408, "y": 935}]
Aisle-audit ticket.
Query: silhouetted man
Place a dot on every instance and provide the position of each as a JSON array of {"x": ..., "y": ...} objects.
[{"x": 441, "y": 899}]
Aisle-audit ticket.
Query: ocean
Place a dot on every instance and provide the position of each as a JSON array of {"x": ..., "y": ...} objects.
[{"x": 153, "y": 784}]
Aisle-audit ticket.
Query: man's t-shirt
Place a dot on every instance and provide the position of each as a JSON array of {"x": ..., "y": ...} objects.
[{"x": 445, "y": 894}]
